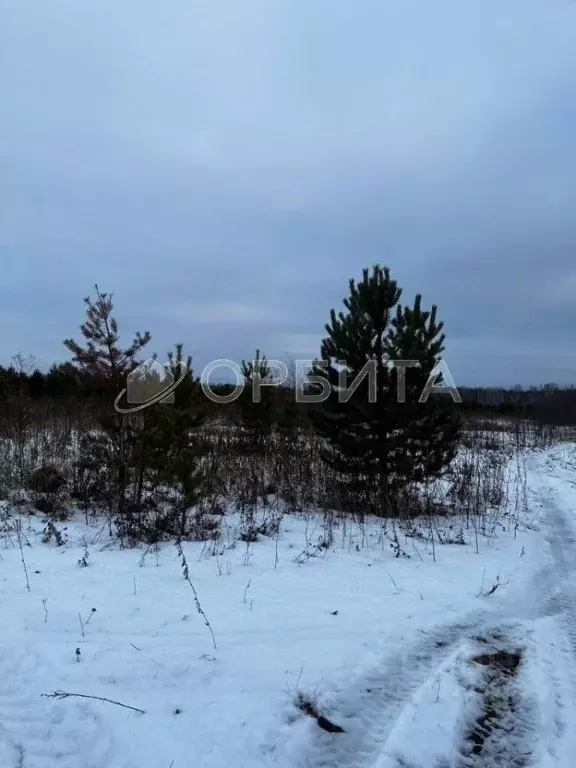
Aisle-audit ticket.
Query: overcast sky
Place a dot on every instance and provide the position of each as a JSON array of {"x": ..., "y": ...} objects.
[{"x": 225, "y": 167}]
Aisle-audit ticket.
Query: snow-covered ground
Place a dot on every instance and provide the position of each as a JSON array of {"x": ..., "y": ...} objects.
[{"x": 468, "y": 659}]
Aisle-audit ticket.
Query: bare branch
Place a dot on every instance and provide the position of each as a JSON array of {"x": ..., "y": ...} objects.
[{"x": 64, "y": 695}]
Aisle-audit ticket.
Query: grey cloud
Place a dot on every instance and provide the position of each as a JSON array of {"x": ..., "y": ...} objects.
[{"x": 225, "y": 171}]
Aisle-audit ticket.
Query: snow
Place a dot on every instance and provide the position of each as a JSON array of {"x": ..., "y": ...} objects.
[{"x": 384, "y": 646}]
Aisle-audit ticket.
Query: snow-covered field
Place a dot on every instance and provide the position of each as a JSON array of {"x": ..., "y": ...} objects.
[{"x": 465, "y": 660}]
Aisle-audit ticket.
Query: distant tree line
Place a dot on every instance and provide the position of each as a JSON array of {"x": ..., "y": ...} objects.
[{"x": 63, "y": 382}]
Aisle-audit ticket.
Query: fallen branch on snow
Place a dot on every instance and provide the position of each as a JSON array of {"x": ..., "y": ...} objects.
[{"x": 64, "y": 695}]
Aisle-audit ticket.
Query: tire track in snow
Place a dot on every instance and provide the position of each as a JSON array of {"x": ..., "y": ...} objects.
[
  {"x": 369, "y": 708},
  {"x": 552, "y": 692},
  {"x": 37, "y": 732},
  {"x": 558, "y": 596},
  {"x": 379, "y": 702},
  {"x": 503, "y": 722},
  {"x": 554, "y": 590}
]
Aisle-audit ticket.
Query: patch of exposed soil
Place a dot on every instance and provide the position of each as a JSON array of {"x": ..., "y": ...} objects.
[{"x": 495, "y": 736}]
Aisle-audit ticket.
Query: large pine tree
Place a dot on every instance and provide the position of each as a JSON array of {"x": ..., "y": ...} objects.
[{"x": 376, "y": 444}]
